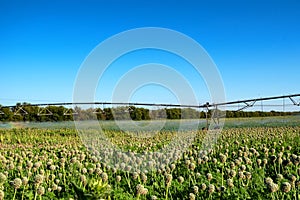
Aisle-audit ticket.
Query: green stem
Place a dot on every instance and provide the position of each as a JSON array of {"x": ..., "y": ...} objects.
[
  {"x": 64, "y": 175},
  {"x": 272, "y": 196},
  {"x": 127, "y": 180},
  {"x": 167, "y": 191},
  {"x": 275, "y": 168},
  {"x": 35, "y": 195},
  {"x": 23, "y": 192},
  {"x": 15, "y": 194},
  {"x": 222, "y": 175}
]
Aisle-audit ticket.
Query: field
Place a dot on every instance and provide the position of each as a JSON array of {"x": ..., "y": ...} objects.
[{"x": 246, "y": 163}]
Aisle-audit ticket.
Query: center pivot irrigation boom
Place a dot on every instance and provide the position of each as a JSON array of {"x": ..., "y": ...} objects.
[{"x": 207, "y": 106}]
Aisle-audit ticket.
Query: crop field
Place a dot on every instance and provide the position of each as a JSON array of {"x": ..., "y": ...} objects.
[{"x": 245, "y": 163}]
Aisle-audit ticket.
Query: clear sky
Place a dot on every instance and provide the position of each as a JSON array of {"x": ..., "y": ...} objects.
[{"x": 255, "y": 45}]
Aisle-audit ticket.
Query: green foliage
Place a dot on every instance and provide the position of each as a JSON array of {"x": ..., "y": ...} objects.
[
  {"x": 94, "y": 190},
  {"x": 245, "y": 163},
  {"x": 26, "y": 112}
]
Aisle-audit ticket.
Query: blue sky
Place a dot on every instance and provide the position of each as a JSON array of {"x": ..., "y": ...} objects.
[{"x": 255, "y": 45}]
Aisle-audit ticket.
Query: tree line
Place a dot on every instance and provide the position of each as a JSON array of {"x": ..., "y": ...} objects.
[{"x": 26, "y": 112}]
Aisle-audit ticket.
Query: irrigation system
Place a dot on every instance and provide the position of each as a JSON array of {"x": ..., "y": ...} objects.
[{"x": 247, "y": 103}]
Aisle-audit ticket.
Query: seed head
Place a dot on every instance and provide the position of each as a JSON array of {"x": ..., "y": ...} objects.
[
  {"x": 62, "y": 160},
  {"x": 17, "y": 183},
  {"x": 42, "y": 172},
  {"x": 187, "y": 162},
  {"x": 118, "y": 178},
  {"x": 2, "y": 177},
  {"x": 203, "y": 186},
  {"x": 265, "y": 161},
  {"x": 273, "y": 187},
  {"x": 104, "y": 177},
  {"x": 258, "y": 162},
  {"x": 98, "y": 171},
  {"x": 128, "y": 168},
  {"x": 248, "y": 175},
  {"x": 286, "y": 187},
  {"x": 279, "y": 177},
  {"x": 11, "y": 166},
  {"x": 54, "y": 186},
  {"x": 192, "y": 166},
  {"x": 209, "y": 176},
  {"x": 243, "y": 168},
  {"x": 52, "y": 167},
  {"x": 169, "y": 179},
  {"x": 268, "y": 180},
  {"x": 232, "y": 165},
  {"x": 192, "y": 196},
  {"x": 196, "y": 189},
  {"x": 83, "y": 179},
  {"x": 222, "y": 158},
  {"x": 38, "y": 179},
  {"x": 230, "y": 183},
  {"x": 19, "y": 168},
  {"x": 123, "y": 165},
  {"x": 84, "y": 170},
  {"x": 90, "y": 170},
  {"x": 37, "y": 164},
  {"x": 237, "y": 162},
  {"x": 41, "y": 190},
  {"x": 144, "y": 191},
  {"x": 139, "y": 189},
  {"x": 211, "y": 189},
  {"x": 24, "y": 180},
  {"x": 144, "y": 177},
  {"x": 214, "y": 160},
  {"x": 172, "y": 166},
  {"x": 293, "y": 178},
  {"x": 272, "y": 150},
  {"x": 232, "y": 173},
  {"x": 1, "y": 195},
  {"x": 135, "y": 175},
  {"x": 241, "y": 175},
  {"x": 180, "y": 179}
]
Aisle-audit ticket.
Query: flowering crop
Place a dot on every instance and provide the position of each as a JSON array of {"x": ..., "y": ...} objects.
[{"x": 261, "y": 163}]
